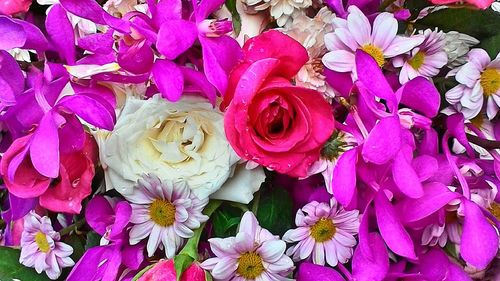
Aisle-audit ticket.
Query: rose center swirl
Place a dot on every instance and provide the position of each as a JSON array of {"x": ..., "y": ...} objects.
[
  {"x": 323, "y": 230},
  {"x": 250, "y": 265},
  {"x": 162, "y": 212}
]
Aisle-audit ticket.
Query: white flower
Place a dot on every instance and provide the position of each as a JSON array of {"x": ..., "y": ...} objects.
[
  {"x": 183, "y": 140},
  {"x": 21, "y": 54},
  {"x": 479, "y": 85},
  {"x": 283, "y": 11},
  {"x": 457, "y": 46},
  {"x": 166, "y": 212},
  {"x": 121, "y": 7}
]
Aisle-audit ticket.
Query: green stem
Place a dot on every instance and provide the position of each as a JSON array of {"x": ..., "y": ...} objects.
[
  {"x": 386, "y": 4},
  {"x": 191, "y": 247},
  {"x": 255, "y": 204},
  {"x": 240, "y": 206},
  {"x": 72, "y": 227}
]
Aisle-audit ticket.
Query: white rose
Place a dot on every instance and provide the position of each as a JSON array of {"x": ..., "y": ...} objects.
[{"x": 182, "y": 140}]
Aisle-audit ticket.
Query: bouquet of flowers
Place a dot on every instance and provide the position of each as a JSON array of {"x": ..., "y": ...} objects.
[{"x": 266, "y": 140}]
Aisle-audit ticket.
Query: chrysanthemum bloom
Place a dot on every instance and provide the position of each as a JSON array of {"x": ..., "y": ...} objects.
[
  {"x": 425, "y": 60},
  {"x": 479, "y": 80},
  {"x": 325, "y": 232},
  {"x": 166, "y": 212},
  {"x": 41, "y": 249},
  {"x": 254, "y": 254},
  {"x": 381, "y": 41}
]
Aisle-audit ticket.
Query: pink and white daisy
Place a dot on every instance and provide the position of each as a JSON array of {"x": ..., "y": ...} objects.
[
  {"x": 479, "y": 80},
  {"x": 41, "y": 249},
  {"x": 381, "y": 41},
  {"x": 425, "y": 60},
  {"x": 166, "y": 212},
  {"x": 325, "y": 232},
  {"x": 254, "y": 254}
]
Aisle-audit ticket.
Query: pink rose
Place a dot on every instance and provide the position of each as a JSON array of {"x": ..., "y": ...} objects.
[
  {"x": 63, "y": 194},
  {"x": 481, "y": 4},
  {"x": 269, "y": 120},
  {"x": 165, "y": 271},
  {"x": 12, "y": 7}
]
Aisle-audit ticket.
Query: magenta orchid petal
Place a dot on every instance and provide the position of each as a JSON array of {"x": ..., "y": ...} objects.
[
  {"x": 101, "y": 43},
  {"x": 196, "y": 82},
  {"x": 435, "y": 265},
  {"x": 132, "y": 256},
  {"x": 436, "y": 196},
  {"x": 89, "y": 109},
  {"x": 123, "y": 212},
  {"x": 11, "y": 79},
  {"x": 421, "y": 95},
  {"x": 405, "y": 177},
  {"x": 393, "y": 232},
  {"x": 383, "y": 142},
  {"x": 99, "y": 214},
  {"x": 479, "y": 242},
  {"x": 166, "y": 10},
  {"x": 87, "y": 267},
  {"x": 61, "y": 33},
  {"x": 206, "y": 7},
  {"x": 12, "y": 35},
  {"x": 168, "y": 78},
  {"x": 344, "y": 177},
  {"x": 312, "y": 272},
  {"x": 171, "y": 43},
  {"x": 44, "y": 148},
  {"x": 425, "y": 166},
  {"x": 371, "y": 268},
  {"x": 72, "y": 134},
  {"x": 455, "y": 124}
]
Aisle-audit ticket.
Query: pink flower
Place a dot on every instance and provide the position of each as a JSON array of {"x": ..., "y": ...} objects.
[
  {"x": 164, "y": 271},
  {"x": 482, "y": 4},
  {"x": 325, "y": 232},
  {"x": 12, "y": 7},
  {"x": 425, "y": 60},
  {"x": 380, "y": 41},
  {"x": 41, "y": 249},
  {"x": 269, "y": 120},
  {"x": 254, "y": 254},
  {"x": 76, "y": 171}
]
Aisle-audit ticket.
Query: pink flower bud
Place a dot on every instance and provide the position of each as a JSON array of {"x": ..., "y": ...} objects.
[
  {"x": 12, "y": 7},
  {"x": 215, "y": 28},
  {"x": 165, "y": 271}
]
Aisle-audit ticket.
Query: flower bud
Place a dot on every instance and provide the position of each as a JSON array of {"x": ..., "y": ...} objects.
[{"x": 165, "y": 271}]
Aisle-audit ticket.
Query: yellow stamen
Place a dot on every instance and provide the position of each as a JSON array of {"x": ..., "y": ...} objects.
[
  {"x": 375, "y": 52},
  {"x": 162, "y": 212},
  {"x": 490, "y": 81},
  {"x": 41, "y": 242},
  {"x": 495, "y": 210},
  {"x": 417, "y": 60},
  {"x": 250, "y": 265},
  {"x": 323, "y": 230}
]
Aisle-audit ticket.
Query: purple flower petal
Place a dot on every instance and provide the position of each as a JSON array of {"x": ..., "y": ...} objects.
[
  {"x": 393, "y": 232},
  {"x": 372, "y": 268},
  {"x": 101, "y": 43},
  {"x": 206, "y": 7},
  {"x": 99, "y": 214},
  {"x": 420, "y": 94},
  {"x": 196, "y": 82},
  {"x": 90, "y": 110},
  {"x": 344, "y": 177},
  {"x": 11, "y": 79},
  {"x": 166, "y": 10},
  {"x": 383, "y": 142},
  {"x": 312, "y": 272},
  {"x": 61, "y": 32},
  {"x": 12, "y": 35},
  {"x": 171, "y": 41},
  {"x": 133, "y": 256},
  {"x": 405, "y": 177},
  {"x": 168, "y": 78},
  {"x": 44, "y": 148},
  {"x": 479, "y": 242}
]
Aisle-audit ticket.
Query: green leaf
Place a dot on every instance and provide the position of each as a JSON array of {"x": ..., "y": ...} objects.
[
  {"x": 481, "y": 24},
  {"x": 77, "y": 243},
  {"x": 93, "y": 240},
  {"x": 415, "y": 6},
  {"x": 236, "y": 19},
  {"x": 10, "y": 268},
  {"x": 275, "y": 210},
  {"x": 208, "y": 276},
  {"x": 225, "y": 221},
  {"x": 491, "y": 45},
  {"x": 140, "y": 273},
  {"x": 181, "y": 263}
]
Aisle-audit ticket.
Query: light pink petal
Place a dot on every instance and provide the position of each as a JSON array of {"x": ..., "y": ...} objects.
[
  {"x": 385, "y": 28},
  {"x": 359, "y": 26},
  {"x": 319, "y": 254},
  {"x": 271, "y": 251},
  {"x": 225, "y": 268},
  {"x": 346, "y": 38},
  {"x": 340, "y": 60},
  {"x": 401, "y": 45},
  {"x": 249, "y": 224},
  {"x": 468, "y": 75},
  {"x": 479, "y": 58}
]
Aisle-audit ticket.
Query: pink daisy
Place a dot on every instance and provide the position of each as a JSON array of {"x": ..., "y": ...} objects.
[
  {"x": 166, "y": 212},
  {"x": 479, "y": 81},
  {"x": 41, "y": 249},
  {"x": 325, "y": 232},
  {"x": 425, "y": 60},
  {"x": 254, "y": 254},
  {"x": 381, "y": 41}
]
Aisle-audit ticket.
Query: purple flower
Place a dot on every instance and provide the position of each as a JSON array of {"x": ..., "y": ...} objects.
[
  {"x": 41, "y": 249},
  {"x": 167, "y": 212},
  {"x": 324, "y": 232},
  {"x": 254, "y": 254}
]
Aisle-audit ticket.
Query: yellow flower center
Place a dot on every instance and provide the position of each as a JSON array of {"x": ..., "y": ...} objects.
[
  {"x": 162, "y": 212},
  {"x": 477, "y": 121},
  {"x": 495, "y": 210},
  {"x": 490, "y": 81},
  {"x": 250, "y": 265},
  {"x": 376, "y": 53},
  {"x": 323, "y": 230},
  {"x": 417, "y": 60},
  {"x": 41, "y": 242}
]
